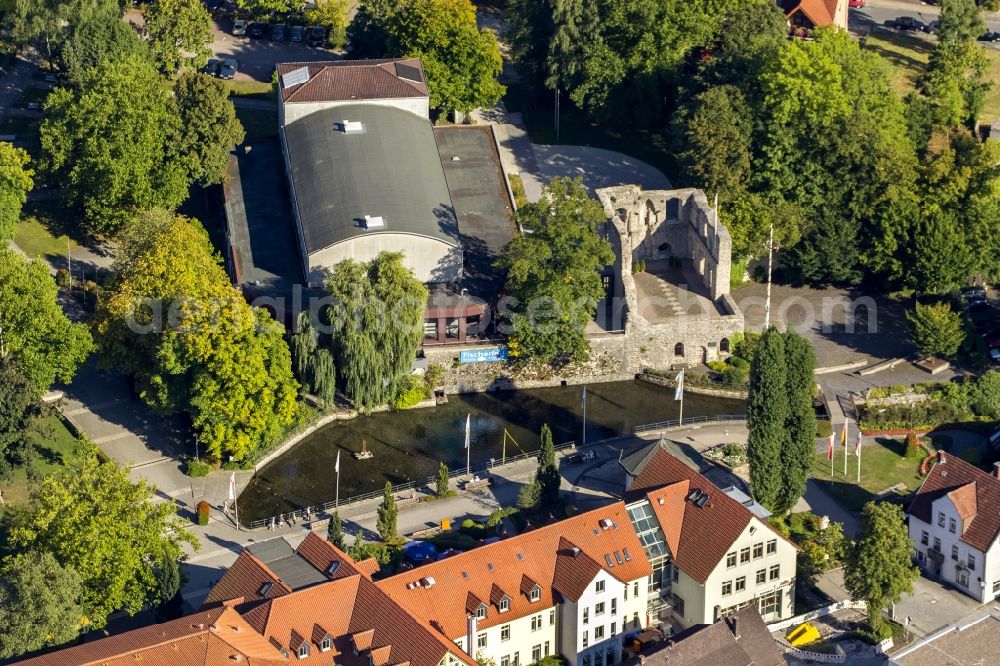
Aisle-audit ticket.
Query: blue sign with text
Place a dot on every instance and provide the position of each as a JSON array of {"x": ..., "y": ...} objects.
[{"x": 483, "y": 355}]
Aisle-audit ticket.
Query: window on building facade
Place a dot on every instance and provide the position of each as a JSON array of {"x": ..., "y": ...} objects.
[
  {"x": 758, "y": 550},
  {"x": 303, "y": 650},
  {"x": 963, "y": 578},
  {"x": 586, "y": 615},
  {"x": 536, "y": 653},
  {"x": 586, "y": 638},
  {"x": 761, "y": 575},
  {"x": 996, "y": 587},
  {"x": 586, "y": 660},
  {"x": 741, "y": 583},
  {"x": 679, "y": 606},
  {"x": 675, "y": 574},
  {"x": 775, "y": 571},
  {"x": 430, "y": 329},
  {"x": 727, "y": 588},
  {"x": 504, "y": 605},
  {"x": 614, "y": 606},
  {"x": 599, "y": 608},
  {"x": 481, "y": 613},
  {"x": 954, "y": 552},
  {"x": 770, "y": 603},
  {"x": 552, "y": 617},
  {"x": 940, "y": 519},
  {"x": 731, "y": 560},
  {"x": 924, "y": 537},
  {"x": 635, "y": 589},
  {"x": 481, "y": 640},
  {"x": 599, "y": 586},
  {"x": 505, "y": 632},
  {"x": 451, "y": 329},
  {"x": 599, "y": 633},
  {"x": 744, "y": 555},
  {"x": 772, "y": 546},
  {"x": 546, "y": 649},
  {"x": 937, "y": 544},
  {"x": 505, "y": 660},
  {"x": 951, "y": 525},
  {"x": 536, "y": 622},
  {"x": 614, "y": 628},
  {"x": 972, "y": 562},
  {"x": 536, "y": 593}
]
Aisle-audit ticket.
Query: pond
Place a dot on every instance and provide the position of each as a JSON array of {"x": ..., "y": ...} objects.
[{"x": 408, "y": 445}]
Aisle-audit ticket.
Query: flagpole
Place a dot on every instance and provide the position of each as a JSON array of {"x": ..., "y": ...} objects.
[
  {"x": 844, "y": 440},
  {"x": 336, "y": 501},
  {"x": 468, "y": 446},
  {"x": 584, "y": 434},
  {"x": 859, "y": 454}
]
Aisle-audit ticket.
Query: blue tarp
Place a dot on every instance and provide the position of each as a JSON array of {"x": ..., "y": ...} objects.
[{"x": 418, "y": 551}]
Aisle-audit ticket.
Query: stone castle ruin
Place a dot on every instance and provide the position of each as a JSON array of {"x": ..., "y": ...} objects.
[{"x": 669, "y": 289}]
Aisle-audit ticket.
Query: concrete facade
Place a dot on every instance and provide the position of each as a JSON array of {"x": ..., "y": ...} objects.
[
  {"x": 289, "y": 112},
  {"x": 428, "y": 258},
  {"x": 669, "y": 320}
]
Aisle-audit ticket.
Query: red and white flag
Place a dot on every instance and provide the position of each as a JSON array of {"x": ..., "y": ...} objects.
[{"x": 829, "y": 448}]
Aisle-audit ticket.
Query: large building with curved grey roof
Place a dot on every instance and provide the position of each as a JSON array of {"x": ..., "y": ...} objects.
[{"x": 365, "y": 179}]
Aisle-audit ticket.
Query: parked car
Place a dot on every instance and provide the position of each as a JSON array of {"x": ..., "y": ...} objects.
[
  {"x": 256, "y": 30},
  {"x": 907, "y": 23},
  {"x": 239, "y": 27},
  {"x": 297, "y": 33},
  {"x": 856, "y": 4},
  {"x": 212, "y": 67},
  {"x": 995, "y": 356},
  {"x": 977, "y": 305},
  {"x": 932, "y": 27},
  {"x": 278, "y": 31},
  {"x": 974, "y": 293},
  {"x": 317, "y": 36},
  {"x": 229, "y": 68},
  {"x": 990, "y": 36}
]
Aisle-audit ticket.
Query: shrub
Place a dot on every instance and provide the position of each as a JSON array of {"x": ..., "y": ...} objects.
[
  {"x": 433, "y": 377},
  {"x": 913, "y": 449},
  {"x": 412, "y": 393},
  {"x": 718, "y": 366},
  {"x": 497, "y": 516},
  {"x": 204, "y": 511},
  {"x": 824, "y": 429},
  {"x": 738, "y": 362},
  {"x": 734, "y": 377},
  {"x": 62, "y": 278},
  {"x": 196, "y": 468}
]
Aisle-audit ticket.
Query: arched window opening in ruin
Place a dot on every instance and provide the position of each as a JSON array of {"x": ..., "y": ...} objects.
[
  {"x": 679, "y": 349},
  {"x": 724, "y": 345}
]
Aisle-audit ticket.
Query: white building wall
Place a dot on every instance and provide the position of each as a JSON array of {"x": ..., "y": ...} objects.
[
  {"x": 522, "y": 638},
  {"x": 597, "y": 642},
  {"x": 756, "y": 533},
  {"x": 292, "y": 111},
  {"x": 430, "y": 260},
  {"x": 986, "y": 571}
]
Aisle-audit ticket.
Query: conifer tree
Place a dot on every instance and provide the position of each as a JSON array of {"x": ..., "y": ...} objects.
[
  {"x": 443, "y": 481},
  {"x": 799, "y": 450},
  {"x": 335, "y": 531},
  {"x": 767, "y": 415},
  {"x": 547, "y": 475},
  {"x": 386, "y": 521}
]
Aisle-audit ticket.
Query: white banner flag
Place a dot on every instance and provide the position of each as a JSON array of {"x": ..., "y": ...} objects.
[
  {"x": 232, "y": 487},
  {"x": 679, "y": 391},
  {"x": 336, "y": 468},
  {"x": 584, "y": 399},
  {"x": 468, "y": 432}
]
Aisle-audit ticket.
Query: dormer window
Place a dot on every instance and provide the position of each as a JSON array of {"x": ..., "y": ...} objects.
[
  {"x": 303, "y": 650},
  {"x": 536, "y": 593},
  {"x": 326, "y": 644},
  {"x": 504, "y": 604},
  {"x": 481, "y": 612}
]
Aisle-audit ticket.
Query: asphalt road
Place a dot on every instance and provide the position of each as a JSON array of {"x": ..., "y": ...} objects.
[{"x": 878, "y": 13}]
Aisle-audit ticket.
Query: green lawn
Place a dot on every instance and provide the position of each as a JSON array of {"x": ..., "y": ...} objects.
[
  {"x": 56, "y": 446},
  {"x": 251, "y": 89},
  {"x": 38, "y": 240},
  {"x": 907, "y": 55},
  {"x": 882, "y": 466}
]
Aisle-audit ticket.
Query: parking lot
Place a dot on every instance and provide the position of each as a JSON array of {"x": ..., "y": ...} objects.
[{"x": 257, "y": 56}]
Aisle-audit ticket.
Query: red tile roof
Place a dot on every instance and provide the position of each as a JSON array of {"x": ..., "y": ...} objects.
[
  {"x": 218, "y": 636},
  {"x": 953, "y": 474},
  {"x": 246, "y": 578},
  {"x": 698, "y": 537},
  {"x": 469, "y": 576},
  {"x": 964, "y": 499},
  {"x": 355, "y": 80},
  {"x": 819, "y": 12}
]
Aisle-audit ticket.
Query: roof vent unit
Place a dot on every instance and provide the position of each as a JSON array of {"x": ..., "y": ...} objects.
[
  {"x": 412, "y": 585},
  {"x": 574, "y": 551},
  {"x": 295, "y": 77},
  {"x": 351, "y": 127},
  {"x": 701, "y": 501},
  {"x": 427, "y": 582},
  {"x": 695, "y": 495},
  {"x": 660, "y": 501},
  {"x": 374, "y": 222},
  {"x": 606, "y": 523}
]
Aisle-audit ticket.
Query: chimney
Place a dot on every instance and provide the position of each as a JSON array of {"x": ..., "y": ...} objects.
[
  {"x": 471, "y": 628},
  {"x": 996, "y": 469},
  {"x": 940, "y": 457},
  {"x": 736, "y": 630}
]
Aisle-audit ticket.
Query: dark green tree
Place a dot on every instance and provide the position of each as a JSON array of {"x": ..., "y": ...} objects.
[
  {"x": 799, "y": 450},
  {"x": 829, "y": 252},
  {"x": 366, "y": 33},
  {"x": 385, "y": 523},
  {"x": 168, "y": 579},
  {"x": 377, "y": 326},
  {"x": 209, "y": 127},
  {"x": 16, "y": 180},
  {"x": 767, "y": 417},
  {"x": 954, "y": 79},
  {"x": 180, "y": 32},
  {"x": 39, "y": 603},
  {"x": 460, "y": 60},
  {"x": 111, "y": 144},
  {"x": 335, "y": 531},
  {"x": 443, "y": 481},
  {"x": 357, "y": 549},
  {"x": 547, "y": 476},
  {"x": 985, "y": 395},
  {"x": 554, "y": 273},
  {"x": 716, "y": 130},
  {"x": 529, "y": 496},
  {"x": 879, "y": 569},
  {"x": 40, "y": 339},
  {"x": 748, "y": 43},
  {"x": 48, "y": 22},
  {"x": 936, "y": 329},
  {"x": 313, "y": 364},
  {"x": 94, "y": 43},
  {"x": 18, "y": 407}
]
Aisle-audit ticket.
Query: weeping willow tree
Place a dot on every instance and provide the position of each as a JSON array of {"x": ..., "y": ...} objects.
[
  {"x": 376, "y": 325},
  {"x": 313, "y": 363}
]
